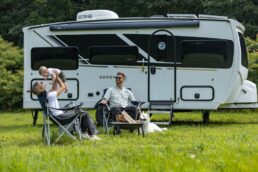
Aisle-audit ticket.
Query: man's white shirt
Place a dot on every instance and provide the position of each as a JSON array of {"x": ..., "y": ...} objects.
[{"x": 119, "y": 97}]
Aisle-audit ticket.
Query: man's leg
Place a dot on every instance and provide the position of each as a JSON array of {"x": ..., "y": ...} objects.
[
  {"x": 132, "y": 111},
  {"x": 87, "y": 124},
  {"x": 66, "y": 117},
  {"x": 114, "y": 112}
]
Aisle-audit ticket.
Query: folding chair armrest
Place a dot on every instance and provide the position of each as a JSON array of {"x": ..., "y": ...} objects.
[
  {"x": 137, "y": 103},
  {"x": 69, "y": 108},
  {"x": 107, "y": 106}
]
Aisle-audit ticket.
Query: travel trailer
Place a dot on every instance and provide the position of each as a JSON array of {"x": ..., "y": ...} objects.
[{"x": 173, "y": 63}]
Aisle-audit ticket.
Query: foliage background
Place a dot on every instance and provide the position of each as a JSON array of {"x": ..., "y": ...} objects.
[
  {"x": 15, "y": 14},
  {"x": 11, "y": 74},
  {"x": 252, "y": 47}
]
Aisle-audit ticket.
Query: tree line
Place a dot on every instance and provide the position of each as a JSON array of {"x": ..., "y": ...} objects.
[{"x": 14, "y": 15}]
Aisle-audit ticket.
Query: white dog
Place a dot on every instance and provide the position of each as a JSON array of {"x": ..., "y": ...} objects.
[{"x": 148, "y": 126}]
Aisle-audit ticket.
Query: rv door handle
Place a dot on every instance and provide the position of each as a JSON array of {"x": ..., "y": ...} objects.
[{"x": 153, "y": 69}]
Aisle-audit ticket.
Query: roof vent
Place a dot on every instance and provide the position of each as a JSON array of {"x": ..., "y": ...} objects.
[{"x": 96, "y": 15}]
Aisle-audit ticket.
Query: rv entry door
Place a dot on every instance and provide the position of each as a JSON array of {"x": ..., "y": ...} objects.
[{"x": 161, "y": 67}]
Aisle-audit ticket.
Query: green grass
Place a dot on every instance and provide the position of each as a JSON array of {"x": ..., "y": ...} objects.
[{"x": 228, "y": 143}]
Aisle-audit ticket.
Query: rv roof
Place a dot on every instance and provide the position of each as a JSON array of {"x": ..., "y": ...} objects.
[
  {"x": 172, "y": 17},
  {"x": 194, "y": 16},
  {"x": 125, "y": 25}
]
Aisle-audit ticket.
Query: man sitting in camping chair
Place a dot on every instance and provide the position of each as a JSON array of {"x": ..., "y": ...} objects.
[
  {"x": 87, "y": 126},
  {"x": 119, "y": 98}
]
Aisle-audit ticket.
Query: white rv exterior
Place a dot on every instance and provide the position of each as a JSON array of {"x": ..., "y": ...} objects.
[{"x": 183, "y": 62}]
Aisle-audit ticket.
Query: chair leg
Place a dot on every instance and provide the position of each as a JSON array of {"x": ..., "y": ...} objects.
[
  {"x": 34, "y": 114},
  {"x": 46, "y": 130},
  {"x": 78, "y": 129},
  {"x": 65, "y": 130},
  {"x": 105, "y": 121},
  {"x": 142, "y": 131},
  {"x": 46, "y": 134},
  {"x": 116, "y": 130}
]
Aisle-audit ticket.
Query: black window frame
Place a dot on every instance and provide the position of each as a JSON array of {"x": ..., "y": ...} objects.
[
  {"x": 227, "y": 56},
  {"x": 244, "y": 55},
  {"x": 166, "y": 55},
  {"x": 115, "y": 52},
  {"x": 74, "y": 52}
]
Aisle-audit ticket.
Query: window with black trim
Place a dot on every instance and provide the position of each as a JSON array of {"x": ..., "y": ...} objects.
[
  {"x": 162, "y": 47},
  {"x": 207, "y": 53},
  {"x": 114, "y": 55},
  {"x": 65, "y": 58},
  {"x": 244, "y": 58}
]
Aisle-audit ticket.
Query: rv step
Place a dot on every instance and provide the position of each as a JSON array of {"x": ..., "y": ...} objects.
[{"x": 162, "y": 103}]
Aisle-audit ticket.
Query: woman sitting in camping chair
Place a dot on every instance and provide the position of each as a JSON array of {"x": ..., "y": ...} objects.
[{"x": 87, "y": 125}]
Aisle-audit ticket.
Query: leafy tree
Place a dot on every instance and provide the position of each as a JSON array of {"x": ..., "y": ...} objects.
[
  {"x": 11, "y": 74},
  {"x": 252, "y": 48},
  {"x": 15, "y": 14}
]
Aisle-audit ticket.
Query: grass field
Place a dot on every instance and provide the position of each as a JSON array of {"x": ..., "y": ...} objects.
[{"x": 228, "y": 143}]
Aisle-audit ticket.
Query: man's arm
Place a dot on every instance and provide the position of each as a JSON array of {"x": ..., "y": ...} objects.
[
  {"x": 131, "y": 96},
  {"x": 61, "y": 88},
  {"x": 106, "y": 97},
  {"x": 104, "y": 101}
]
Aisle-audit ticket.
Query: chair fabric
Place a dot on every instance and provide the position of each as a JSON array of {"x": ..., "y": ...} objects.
[
  {"x": 105, "y": 118},
  {"x": 65, "y": 123}
]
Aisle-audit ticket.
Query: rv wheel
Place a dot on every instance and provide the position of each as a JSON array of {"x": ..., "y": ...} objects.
[{"x": 205, "y": 116}]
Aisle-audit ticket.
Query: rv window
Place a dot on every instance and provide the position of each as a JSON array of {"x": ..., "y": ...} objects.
[
  {"x": 65, "y": 58},
  {"x": 207, "y": 53},
  {"x": 162, "y": 47},
  {"x": 244, "y": 58},
  {"x": 113, "y": 55}
]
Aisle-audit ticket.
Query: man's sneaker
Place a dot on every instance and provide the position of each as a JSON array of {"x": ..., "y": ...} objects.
[
  {"x": 85, "y": 136},
  {"x": 94, "y": 137}
]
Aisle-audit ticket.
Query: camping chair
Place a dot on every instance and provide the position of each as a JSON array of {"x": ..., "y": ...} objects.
[
  {"x": 106, "y": 118},
  {"x": 66, "y": 126},
  {"x": 103, "y": 113},
  {"x": 103, "y": 116},
  {"x": 108, "y": 123},
  {"x": 130, "y": 126}
]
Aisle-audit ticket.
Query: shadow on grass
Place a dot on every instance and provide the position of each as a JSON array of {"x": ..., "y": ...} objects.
[
  {"x": 219, "y": 123},
  {"x": 19, "y": 127},
  {"x": 175, "y": 123}
]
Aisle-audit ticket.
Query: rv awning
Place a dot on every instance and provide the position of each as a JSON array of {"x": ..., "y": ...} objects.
[{"x": 124, "y": 25}]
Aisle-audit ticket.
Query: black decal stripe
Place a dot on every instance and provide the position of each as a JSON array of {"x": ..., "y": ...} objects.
[{"x": 124, "y": 25}]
